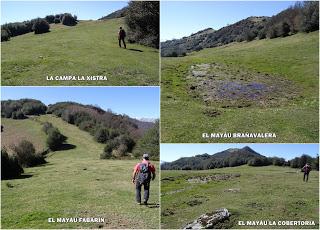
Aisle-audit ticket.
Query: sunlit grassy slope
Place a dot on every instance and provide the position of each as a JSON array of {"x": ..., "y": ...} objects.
[
  {"x": 87, "y": 49},
  {"x": 294, "y": 58},
  {"x": 76, "y": 183}
]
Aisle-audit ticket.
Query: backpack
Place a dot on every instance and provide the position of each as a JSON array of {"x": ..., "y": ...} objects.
[
  {"x": 144, "y": 173},
  {"x": 122, "y": 33}
]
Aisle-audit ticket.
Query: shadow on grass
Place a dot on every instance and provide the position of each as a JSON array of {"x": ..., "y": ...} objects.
[
  {"x": 24, "y": 176},
  {"x": 153, "y": 205},
  {"x": 136, "y": 50},
  {"x": 66, "y": 147}
]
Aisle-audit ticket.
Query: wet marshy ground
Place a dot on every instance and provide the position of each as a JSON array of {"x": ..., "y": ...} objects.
[{"x": 232, "y": 87}]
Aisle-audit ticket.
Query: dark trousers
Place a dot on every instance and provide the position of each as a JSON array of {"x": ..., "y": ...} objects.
[
  {"x": 305, "y": 176},
  {"x": 124, "y": 43},
  {"x": 146, "y": 187}
]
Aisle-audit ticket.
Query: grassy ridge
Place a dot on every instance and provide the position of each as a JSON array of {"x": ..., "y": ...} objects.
[
  {"x": 264, "y": 193},
  {"x": 294, "y": 58},
  {"x": 76, "y": 183},
  {"x": 90, "y": 48}
]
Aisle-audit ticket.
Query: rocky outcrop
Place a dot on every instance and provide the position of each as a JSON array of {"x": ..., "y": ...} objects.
[{"x": 209, "y": 220}]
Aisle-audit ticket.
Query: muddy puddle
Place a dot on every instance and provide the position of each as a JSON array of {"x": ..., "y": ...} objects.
[{"x": 232, "y": 87}]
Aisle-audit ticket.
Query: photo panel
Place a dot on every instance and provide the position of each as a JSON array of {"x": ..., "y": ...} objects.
[
  {"x": 239, "y": 186},
  {"x": 72, "y": 157},
  {"x": 239, "y": 71},
  {"x": 80, "y": 43}
]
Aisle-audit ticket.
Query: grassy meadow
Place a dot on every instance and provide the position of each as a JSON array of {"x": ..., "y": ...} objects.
[
  {"x": 75, "y": 183},
  {"x": 294, "y": 58},
  {"x": 87, "y": 49},
  {"x": 260, "y": 193}
]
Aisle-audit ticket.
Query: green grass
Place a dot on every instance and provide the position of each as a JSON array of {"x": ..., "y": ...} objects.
[
  {"x": 76, "y": 183},
  {"x": 89, "y": 48},
  {"x": 15, "y": 131},
  {"x": 266, "y": 193},
  {"x": 294, "y": 58}
]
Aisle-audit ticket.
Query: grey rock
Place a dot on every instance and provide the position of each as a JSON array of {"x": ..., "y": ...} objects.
[
  {"x": 199, "y": 73},
  {"x": 209, "y": 220}
]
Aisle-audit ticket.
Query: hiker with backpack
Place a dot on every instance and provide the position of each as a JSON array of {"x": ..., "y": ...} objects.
[
  {"x": 121, "y": 37},
  {"x": 143, "y": 173},
  {"x": 306, "y": 170}
]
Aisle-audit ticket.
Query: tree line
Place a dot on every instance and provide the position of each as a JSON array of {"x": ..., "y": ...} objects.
[
  {"x": 207, "y": 162},
  {"x": 37, "y": 25}
]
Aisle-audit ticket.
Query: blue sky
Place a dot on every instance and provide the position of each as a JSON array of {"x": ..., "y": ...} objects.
[
  {"x": 137, "y": 102},
  {"x": 16, "y": 11},
  {"x": 171, "y": 152},
  {"x": 179, "y": 19}
]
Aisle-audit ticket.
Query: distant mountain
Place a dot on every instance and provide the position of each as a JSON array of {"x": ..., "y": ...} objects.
[
  {"x": 116, "y": 14},
  {"x": 301, "y": 17},
  {"x": 227, "y": 158},
  {"x": 210, "y": 38}
]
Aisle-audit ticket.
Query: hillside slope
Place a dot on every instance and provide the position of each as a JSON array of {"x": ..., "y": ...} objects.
[
  {"x": 76, "y": 183},
  {"x": 209, "y": 38},
  {"x": 293, "y": 60},
  {"x": 87, "y": 49}
]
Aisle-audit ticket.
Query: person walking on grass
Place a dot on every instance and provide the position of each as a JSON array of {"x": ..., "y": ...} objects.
[
  {"x": 142, "y": 174},
  {"x": 306, "y": 170},
  {"x": 121, "y": 37}
]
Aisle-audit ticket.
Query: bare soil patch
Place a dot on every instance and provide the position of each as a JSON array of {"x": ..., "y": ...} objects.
[{"x": 239, "y": 88}]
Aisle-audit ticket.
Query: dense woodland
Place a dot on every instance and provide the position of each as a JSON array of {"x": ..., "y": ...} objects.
[
  {"x": 301, "y": 17},
  {"x": 237, "y": 157}
]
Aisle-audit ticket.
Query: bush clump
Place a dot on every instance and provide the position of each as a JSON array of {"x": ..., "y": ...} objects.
[
  {"x": 40, "y": 26},
  {"x": 18, "y": 115},
  {"x": 69, "y": 20},
  {"x": 27, "y": 155},
  {"x": 55, "y": 139},
  {"x": 10, "y": 167},
  {"x": 56, "y": 21},
  {"x": 142, "y": 19},
  {"x": 101, "y": 135},
  {"x": 5, "y": 36},
  {"x": 50, "y": 19}
]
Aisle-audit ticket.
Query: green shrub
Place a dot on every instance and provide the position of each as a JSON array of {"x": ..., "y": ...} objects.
[
  {"x": 27, "y": 155},
  {"x": 10, "y": 167},
  {"x": 56, "y": 21},
  {"x": 18, "y": 115},
  {"x": 310, "y": 16},
  {"x": 142, "y": 19},
  {"x": 249, "y": 35},
  {"x": 5, "y": 36},
  {"x": 107, "y": 151},
  {"x": 50, "y": 18},
  {"x": 68, "y": 20},
  {"x": 40, "y": 26},
  {"x": 55, "y": 139},
  {"x": 101, "y": 135}
]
